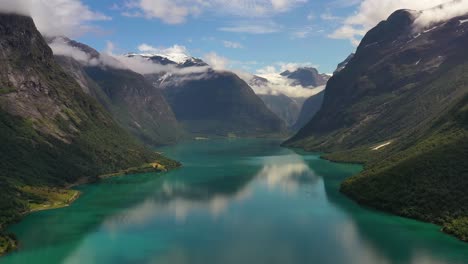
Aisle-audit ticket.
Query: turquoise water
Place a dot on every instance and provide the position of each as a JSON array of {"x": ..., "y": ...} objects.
[{"x": 234, "y": 201}]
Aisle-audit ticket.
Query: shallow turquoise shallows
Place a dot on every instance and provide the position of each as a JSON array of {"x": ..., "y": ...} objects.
[{"x": 242, "y": 201}]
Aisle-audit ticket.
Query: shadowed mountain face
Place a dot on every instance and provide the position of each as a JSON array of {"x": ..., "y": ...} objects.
[
  {"x": 400, "y": 105},
  {"x": 208, "y": 102},
  {"x": 51, "y": 132},
  {"x": 283, "y": 106},
  {"x": 134, "y": 103},
  {"x": 221, "y": 104},
  {"x": 313, "y": 104},
  {"x": 310, "y": 107}
]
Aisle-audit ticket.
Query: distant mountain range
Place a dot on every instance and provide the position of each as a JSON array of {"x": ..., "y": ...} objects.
[
  {"x": 210, "y": 102},
  {"x": 295, "y": 111},
  {"x": 400, "y": 106}
]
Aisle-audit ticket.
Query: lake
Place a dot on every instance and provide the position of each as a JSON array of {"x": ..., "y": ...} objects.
[{"x": 234, "y": 201}]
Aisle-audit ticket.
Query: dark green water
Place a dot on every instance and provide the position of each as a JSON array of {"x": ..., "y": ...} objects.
[{"x": 239, "y": 202}]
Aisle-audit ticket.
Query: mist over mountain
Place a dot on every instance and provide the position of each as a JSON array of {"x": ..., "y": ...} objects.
[
  {"x": 285, "y": 93},
  {"x": 210, "y": 102},
  {"x": 133, "y": 101},
  {"x": 219, "y": 85}
]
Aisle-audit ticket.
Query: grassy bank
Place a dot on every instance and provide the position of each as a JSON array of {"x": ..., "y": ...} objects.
[{"x": 39, "y": 198}]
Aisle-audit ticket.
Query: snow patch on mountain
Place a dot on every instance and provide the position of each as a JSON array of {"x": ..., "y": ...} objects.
[{"x": 176, "y": 53}]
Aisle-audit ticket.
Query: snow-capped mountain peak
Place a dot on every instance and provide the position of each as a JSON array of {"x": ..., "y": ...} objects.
[{"x": 180, "y": 59}]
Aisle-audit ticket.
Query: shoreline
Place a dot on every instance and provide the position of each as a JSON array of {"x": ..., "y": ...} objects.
[
  {"x": 451, "y": 227},
  {"x": 445, "y": 228},
  {"x": 8, "y": 241}
]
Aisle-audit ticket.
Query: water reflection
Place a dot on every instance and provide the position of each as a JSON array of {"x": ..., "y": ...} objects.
[
  {"x": 286, "y": 172},
  {"x": 239, "y": 202}
]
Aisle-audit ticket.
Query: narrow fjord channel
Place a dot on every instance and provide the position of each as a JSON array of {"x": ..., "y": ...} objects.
[{"x": 234, "y": 201}]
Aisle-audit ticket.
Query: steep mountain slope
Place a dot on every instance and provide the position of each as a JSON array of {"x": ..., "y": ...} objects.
[
  {"x": 310, "y": 107},
  {"x": 51, "y": 132},
  {"x": 313, "y": 104},
  {"x": 296, "y": 110},
  {"x": 221, "y": 104},
  {"x": 307, "y": 76},
  {"x": 134, "y": 103},
  {"x": 400, "y": 106},
  {"x": 283, "y": 106},
  {"x": 428, "y": 180},
  {"x": 343, "y": 64}
]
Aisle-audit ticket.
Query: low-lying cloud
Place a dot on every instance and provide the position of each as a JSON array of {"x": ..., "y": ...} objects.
[
  {"x": 137, "y": 64},
  {"x": 441, "y": 13}
]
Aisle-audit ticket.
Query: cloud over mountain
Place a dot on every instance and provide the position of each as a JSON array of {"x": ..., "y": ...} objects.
[
  {"x": 277, "y": 84},
  {"x": 371, "y": 12},
  {"x": 55, "y": 17}
]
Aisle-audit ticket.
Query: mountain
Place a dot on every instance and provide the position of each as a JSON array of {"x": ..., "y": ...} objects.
[
  {"x": 283, "y": 106},
  {"x": 313, "y": 104},
  {"x": 400, "y": 106},
  {"x": 343, "y": 64},
  {"x": 310, "y": 107},
  {"x": 209, "y": 102},
  {"x": 133, "y": 102},
  {"x": 306, "y": 77},
  {"x": 179, "y": 59},
  {"x": 221, "y": 103},
  {"x": 51, "y": 132},
  {"x": 295, "y": 111}
]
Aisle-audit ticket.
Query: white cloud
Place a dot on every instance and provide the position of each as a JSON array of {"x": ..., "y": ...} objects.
[
  {"x": 253, "y": 27},
  {"x": 55, "y": 17},
  {"x": 371, "y": 12},
  {"x": 216, "y": 61},
  {"x": 176, "y": 53},
  {"x": 137, "y": 64},
  {"x": 303, "y": 32},
  {"x": 61, "y": 48},
  {"x": 142, "y": 65},
  {"x": 441, "y": 13},
  {"x": 232, "y": 44},
  {"x": 329, "y": 17},
  {"x": 177, "y": 11}
]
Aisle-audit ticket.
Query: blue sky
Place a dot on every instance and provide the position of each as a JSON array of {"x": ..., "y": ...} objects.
[
  {"x": 297, "y": 34},
  {"x": 249, "y": 35}
]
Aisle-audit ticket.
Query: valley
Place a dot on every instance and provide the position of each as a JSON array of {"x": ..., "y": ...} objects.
[{"x": 134, "y": 153}]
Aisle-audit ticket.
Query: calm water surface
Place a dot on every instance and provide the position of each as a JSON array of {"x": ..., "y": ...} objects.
[{"x": 234, "y": 202}]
